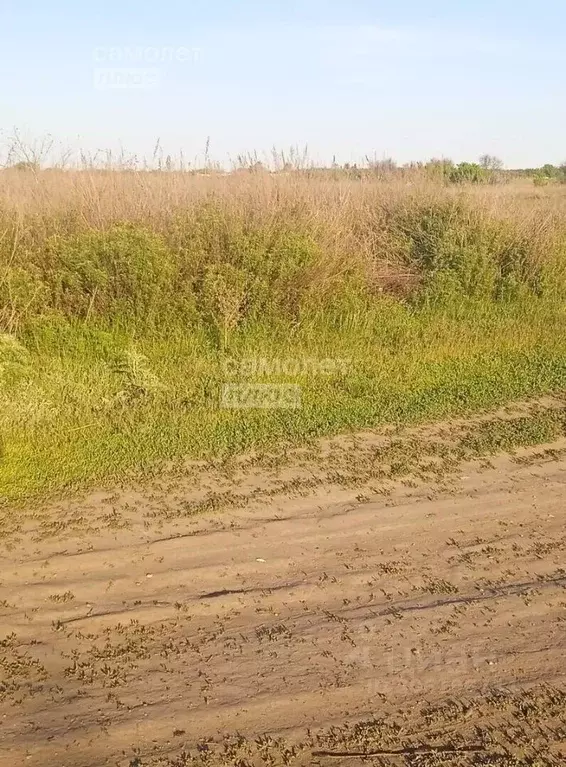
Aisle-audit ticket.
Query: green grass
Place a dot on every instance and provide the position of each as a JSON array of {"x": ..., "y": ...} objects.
[
  {"x": 87, "y": 405},
  {"x": 506, "y": 435},
  {"x": 116, "y": 341}
]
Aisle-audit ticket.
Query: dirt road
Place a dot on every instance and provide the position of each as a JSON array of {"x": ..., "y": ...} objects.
[{"x": 436, "y": 615}]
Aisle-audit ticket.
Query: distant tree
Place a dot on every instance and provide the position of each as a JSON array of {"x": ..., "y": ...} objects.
[
  {"x": 382, "y": 168},
  {"x": 550, "y": 171},
  {"x": 26, "y": 165},
  {"x": 439, "y": 168},
  {"x": 27, "y": 155},
  {"x": 540, "y": 179},
  {"x": 469, "y": 173},
  {"x": 490, "y": 162}
]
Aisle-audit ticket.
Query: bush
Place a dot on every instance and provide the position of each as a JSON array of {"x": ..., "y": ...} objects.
[
  {"x": 223, "y": 262},
  {"x": 268, "y": 268},
  {"x": 469, "y": 173},
  {"x": 223, "y": 297},
  {"x": 123, "y": 273},
  {"x": 22, "y": 295},
  {"x": 461, "y": 251}
]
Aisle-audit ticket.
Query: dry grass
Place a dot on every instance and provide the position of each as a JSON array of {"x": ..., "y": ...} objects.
[{"x": 349, "y": 218}]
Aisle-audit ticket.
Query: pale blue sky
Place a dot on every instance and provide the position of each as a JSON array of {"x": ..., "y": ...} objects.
[{"x": 406, "y": 78}]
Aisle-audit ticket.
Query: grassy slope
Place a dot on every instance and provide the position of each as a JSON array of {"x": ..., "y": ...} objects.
[{"x": 91, "y": 389}]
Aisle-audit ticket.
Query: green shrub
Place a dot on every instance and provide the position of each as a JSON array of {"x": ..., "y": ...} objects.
[
  {"x": 272, "y": 262},
  {"x": 223, "y": 297},
  {"x": 123, "y": 273},
  {"x": 460, "y": 251},
  {"x": 23, "y": 294},
  {"x": 539, "y": 179},
  {"x": 469, "y": 173}
]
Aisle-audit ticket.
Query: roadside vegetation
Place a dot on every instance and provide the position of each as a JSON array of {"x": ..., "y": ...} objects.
[{"x": 129, "y": 299}]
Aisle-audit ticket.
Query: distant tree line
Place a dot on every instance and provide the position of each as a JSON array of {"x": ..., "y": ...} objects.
[
  {"x": 547, "y": 174},
  {"x": 489, "y": 169}
]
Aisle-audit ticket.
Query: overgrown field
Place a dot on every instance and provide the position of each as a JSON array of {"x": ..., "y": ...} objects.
[{"x": 128, "y": 300}]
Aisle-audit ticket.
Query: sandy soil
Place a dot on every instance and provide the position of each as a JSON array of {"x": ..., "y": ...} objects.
[{"x": 434, "y": 615}]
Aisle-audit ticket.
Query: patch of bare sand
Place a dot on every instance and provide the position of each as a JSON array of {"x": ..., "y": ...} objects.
[{"x": 436, "y": 613}]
